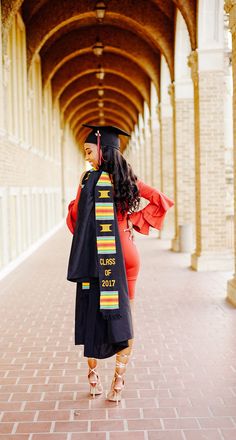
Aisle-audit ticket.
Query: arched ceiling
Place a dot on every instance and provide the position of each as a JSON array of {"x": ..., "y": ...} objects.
[
  {"x": 90, "y": 97},
  {"x": 85, "y": 64},
  {"x": 114, "y": 82},
  {"x": 111, "y": 107},
  {"x": 134, "y": 34}
]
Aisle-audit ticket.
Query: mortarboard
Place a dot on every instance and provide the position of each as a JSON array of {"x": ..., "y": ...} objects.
[{"x": 108, "y": 135}]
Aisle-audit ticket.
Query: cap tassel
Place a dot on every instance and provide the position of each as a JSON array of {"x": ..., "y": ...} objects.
[{"x": 100, "y": 158}]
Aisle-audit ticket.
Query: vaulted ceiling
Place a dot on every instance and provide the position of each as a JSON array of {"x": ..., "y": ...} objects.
[{"x": 134, "y": 34}]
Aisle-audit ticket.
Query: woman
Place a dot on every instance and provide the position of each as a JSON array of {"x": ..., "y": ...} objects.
[{"x": 104, "y": 261}]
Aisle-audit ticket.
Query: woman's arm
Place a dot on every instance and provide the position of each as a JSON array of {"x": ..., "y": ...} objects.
[
  {"x": 154, "y": 213},
  {"x": 73, "y": 208}
]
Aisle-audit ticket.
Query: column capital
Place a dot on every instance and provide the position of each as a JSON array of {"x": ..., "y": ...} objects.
[
  {"x": 229, "y": 4},
  {"x": 193, "y": 64},
  {"x": 230, "y": 8}
]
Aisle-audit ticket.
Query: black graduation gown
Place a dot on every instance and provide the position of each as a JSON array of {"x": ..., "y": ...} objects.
[
  {"x": 98, "y": 335},
  {"x": 101, "y": 337}
]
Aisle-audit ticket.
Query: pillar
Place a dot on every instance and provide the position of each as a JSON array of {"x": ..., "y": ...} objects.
[
  {"x": 63, "y": 177},
  {"x": 185, "y": 177},
  {"x": 184, "y": 134},
  {"x": 207, "y": 64},
  {"x": 167, "y": 149},
  {"x": 2, "y": 125},
  {"x": 155, "y": 140},
  {"x": 135, "y": 152},
  {"x": 148, "y": 145},
  {"x": 141, "y": 141},
  {"x": 230, "y": 7}
]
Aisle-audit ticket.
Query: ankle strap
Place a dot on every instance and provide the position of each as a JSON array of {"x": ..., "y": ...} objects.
[
  {"x": 123, "y": 355},
  {"x": 119, "y": 375},
  {"x": 120, "y": 364},
  {"x": 92, "y": 370}
]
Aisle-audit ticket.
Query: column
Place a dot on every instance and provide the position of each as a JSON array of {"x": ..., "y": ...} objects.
[
  {"x": 158, "y": 110},
  {"x": 135, "y": 151},
  {"x": 167, "y": 149},
  {"x": 2, "y": 127},
  {"x": 184, "y": 124},
  {"x": 141, "y": 141},
  {"x": 147, "y": 146},
  {"x": 167, "y": 175},
  {"x": 171, "y": 91},
  {"x": 184, "y": 140},
  {"x": 155, "y": 140},
  {"x": 155, "y": 152},
  {"x": 207, "y": 64},
  {"x": 63, "y": 177},
  {"x": 142, "y": 153},
  {"x": 230, "y": 8}
]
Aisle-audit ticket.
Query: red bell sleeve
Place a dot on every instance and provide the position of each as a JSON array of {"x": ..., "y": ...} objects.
[
  {"x": 72, "y": 212},
  {"x": 154, "y": 213}
]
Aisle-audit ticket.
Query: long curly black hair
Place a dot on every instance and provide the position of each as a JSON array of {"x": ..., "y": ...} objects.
[{"x": 126, "y": 193}]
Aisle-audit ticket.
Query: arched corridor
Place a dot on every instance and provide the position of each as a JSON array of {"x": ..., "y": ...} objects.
[{"x": 165, "y": 71}]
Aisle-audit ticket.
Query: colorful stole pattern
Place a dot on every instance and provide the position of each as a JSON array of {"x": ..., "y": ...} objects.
[
  {"x": 96, "y": 257},
  {"x": 106, "y": 244}
]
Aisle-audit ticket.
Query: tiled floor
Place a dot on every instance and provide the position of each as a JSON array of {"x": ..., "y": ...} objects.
[{"x": 181, "y": 381}]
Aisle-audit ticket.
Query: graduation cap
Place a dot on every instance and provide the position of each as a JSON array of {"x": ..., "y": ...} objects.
[{"x": 107, "y": 134}]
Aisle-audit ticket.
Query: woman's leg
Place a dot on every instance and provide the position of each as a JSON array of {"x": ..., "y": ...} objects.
[
  {"x": 123, "y": 355},
  {"x": 122, "y": 359},
  {"x": 93, "y": 377},
  {"x": 92, "y": 362}
]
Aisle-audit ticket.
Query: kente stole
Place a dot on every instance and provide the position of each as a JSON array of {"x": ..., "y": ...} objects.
[
  {"x": 106, "y": 244},
  {"x": 96, "y": 251}
]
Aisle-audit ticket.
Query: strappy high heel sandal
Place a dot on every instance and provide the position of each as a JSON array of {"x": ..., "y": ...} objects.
[
  {"x": 118, "y": 382},
  {"x": 94, "y": 382}
]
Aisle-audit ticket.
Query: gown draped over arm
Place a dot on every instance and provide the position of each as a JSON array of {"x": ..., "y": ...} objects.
[
  {"x": 72, "y": 211},
  {"x": 154, "y": 213}
]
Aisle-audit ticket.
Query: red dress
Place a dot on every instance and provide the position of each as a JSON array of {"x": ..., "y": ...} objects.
[{"x": 152, "y": 215}]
